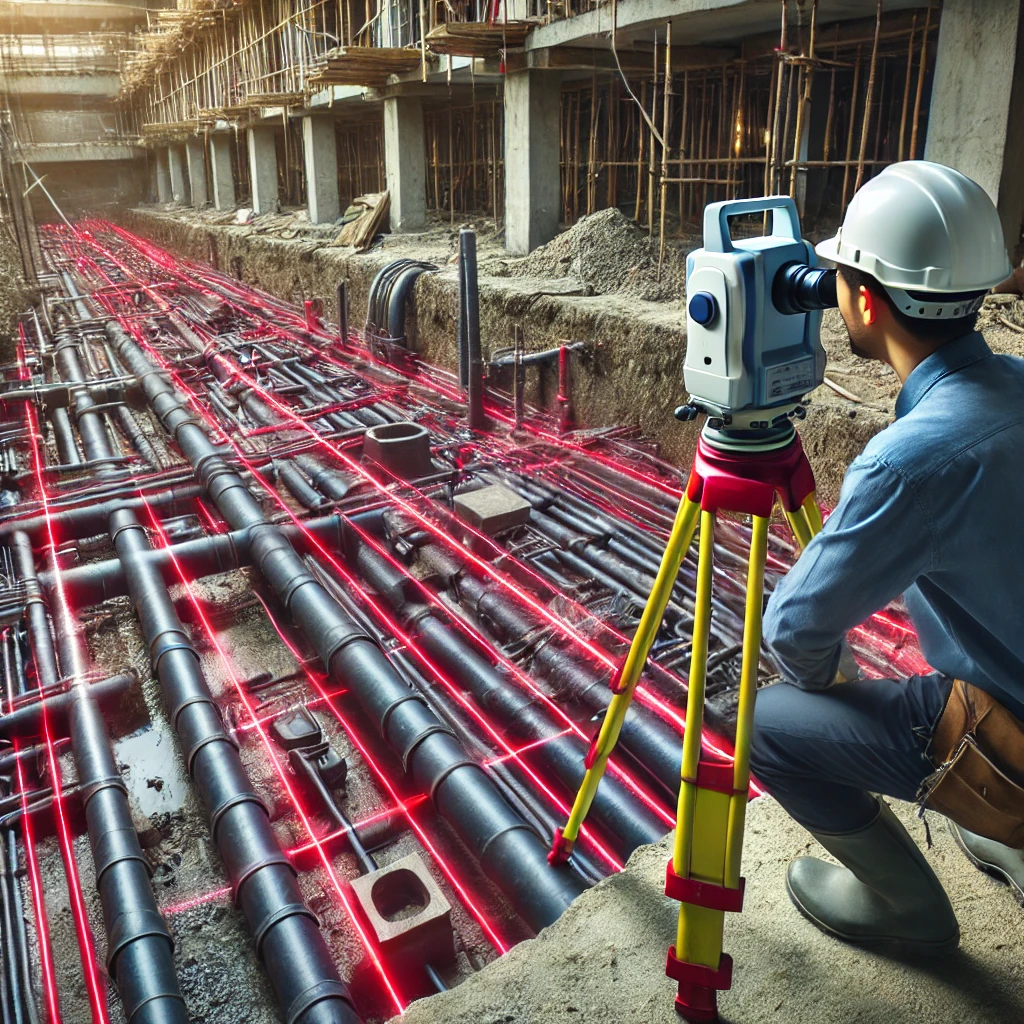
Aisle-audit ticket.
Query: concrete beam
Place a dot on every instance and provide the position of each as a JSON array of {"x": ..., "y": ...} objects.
[
  {"x": 532, "y": 190},
  {"x": 697, "y": 21},
  {"x": 584, "y": 58},
  {"x": 75, "y": 152},
  {"x": 975, "y": 122},
  {"x": 59, "y": 16},
  {"x": 320, "y": 154},
  {"x": 179, "y": 175},
  {"x": 163, "y": 177},
  {"x": 105, "y": 86},
  {"x": 405, "y": 162},
  {"x": 220, "y": 169},
  {"x": 196, "y": 172},
  {"x": 263, "y": 169}
]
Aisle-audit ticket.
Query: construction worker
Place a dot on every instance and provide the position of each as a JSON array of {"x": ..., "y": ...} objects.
[{"x": 930, "y": 510}]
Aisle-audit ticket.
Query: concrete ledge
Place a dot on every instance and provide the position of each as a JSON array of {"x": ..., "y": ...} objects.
[
  {"x": 76, "y": 152},
  {"x": 54, "y": 84},
  {"x": 604, "y": 961}
]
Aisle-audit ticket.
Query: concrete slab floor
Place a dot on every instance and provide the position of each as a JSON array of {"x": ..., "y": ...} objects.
[{"x": 604, "y": 960}]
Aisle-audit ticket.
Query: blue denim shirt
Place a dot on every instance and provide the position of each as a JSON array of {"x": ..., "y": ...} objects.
[{"x": 932, "y": 510}]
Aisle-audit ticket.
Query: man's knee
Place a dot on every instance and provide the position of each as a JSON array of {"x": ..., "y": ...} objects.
[{"x": 775, "y": 742}]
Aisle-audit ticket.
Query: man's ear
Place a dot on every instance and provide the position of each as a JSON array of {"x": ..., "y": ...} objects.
[{"x": 867, "y": 305}]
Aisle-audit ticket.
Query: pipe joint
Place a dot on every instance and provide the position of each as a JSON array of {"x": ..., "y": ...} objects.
[
  {"x": 116, "y": 846},
  {"x": 129, "y": 927}
]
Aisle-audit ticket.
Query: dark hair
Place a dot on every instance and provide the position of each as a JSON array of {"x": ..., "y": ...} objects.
[{"x": 932, "y": 332}]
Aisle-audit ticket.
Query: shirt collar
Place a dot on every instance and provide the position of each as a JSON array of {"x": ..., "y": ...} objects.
[{"x": 952, "y": 356}]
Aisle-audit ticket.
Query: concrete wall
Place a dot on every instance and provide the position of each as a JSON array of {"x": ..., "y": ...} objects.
[{"x": 976, "y": 120}]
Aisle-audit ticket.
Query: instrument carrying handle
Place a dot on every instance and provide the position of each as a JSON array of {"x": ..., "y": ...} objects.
[{"x": 785, "y": 222}]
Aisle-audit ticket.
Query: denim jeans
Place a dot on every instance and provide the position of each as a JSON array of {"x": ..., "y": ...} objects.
[{"x": 822, "y": 753}]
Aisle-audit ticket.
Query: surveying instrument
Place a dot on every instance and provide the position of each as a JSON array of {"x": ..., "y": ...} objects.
[{"x": 753, "y": 351}]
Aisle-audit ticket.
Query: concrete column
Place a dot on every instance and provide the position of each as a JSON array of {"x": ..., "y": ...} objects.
[
  {"x": 320, "y": 153},
  {"x": 220, "y": 168},
  {"x": 975, "y": 123},
  {"x": 532, "y": 190},
  {"x": 263, "y": 169},
  {"x": 197, "y": 172},
  {"x": 163, "y": 177},
  {"x": 405, "y": 162},
  {"x": 179, "y": 178}
]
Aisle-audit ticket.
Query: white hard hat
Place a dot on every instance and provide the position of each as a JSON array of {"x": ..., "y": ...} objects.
[{"x": 923, "y": 227}]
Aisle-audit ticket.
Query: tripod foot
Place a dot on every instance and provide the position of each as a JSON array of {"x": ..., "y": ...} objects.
[
  {"x": 561, "y": 849},
  {"x": 697, "y": 1003}
]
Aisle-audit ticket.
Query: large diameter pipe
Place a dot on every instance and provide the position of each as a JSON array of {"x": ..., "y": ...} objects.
[
  {"x": 652, "y": 744},
  {"x": 508, "y": 850},
  {"x": 139, "y": 945},
  {"x": 288, "y": 940},
  {"x": 26, "y": 723},
  {"x": 626, "y": 823}
]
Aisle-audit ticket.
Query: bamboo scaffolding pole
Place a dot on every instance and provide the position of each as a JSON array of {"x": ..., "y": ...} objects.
[{"x": 869, "y": 100}]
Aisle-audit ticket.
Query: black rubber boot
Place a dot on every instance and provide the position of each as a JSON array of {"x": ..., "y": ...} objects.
[
  {"x": 1002, "y": 862},
  {"x": 885, "y": 897}
]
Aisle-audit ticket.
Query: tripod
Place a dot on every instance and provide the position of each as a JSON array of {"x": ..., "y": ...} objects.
[{"x": 704, "y": 873}]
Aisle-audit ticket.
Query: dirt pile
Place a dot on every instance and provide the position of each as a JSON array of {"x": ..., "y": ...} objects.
[{"x": 611, "y": 254}]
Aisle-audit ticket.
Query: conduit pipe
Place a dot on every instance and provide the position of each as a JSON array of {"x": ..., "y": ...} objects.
[
  {"x": 139, "y": 945},
  {"x": 626, "y": 824},
  {"x": 508, "y": 850},
  {"x": 288, "y": 939},
  {"x": 650, "y": 742}
]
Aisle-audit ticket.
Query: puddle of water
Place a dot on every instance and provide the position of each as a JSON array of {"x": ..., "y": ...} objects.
[{"x": 155, "y": 778}]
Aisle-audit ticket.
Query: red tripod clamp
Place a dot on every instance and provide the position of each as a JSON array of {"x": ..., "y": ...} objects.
[{"x": 748, "y": 481}]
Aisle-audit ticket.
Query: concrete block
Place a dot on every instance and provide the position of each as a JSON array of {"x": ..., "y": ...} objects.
[
  {"x": 492, "y": 509},
  {"x": 407, "y": 911},
  {"x": 197, "y": 172},
  {"x": 405, "y": 162},
  {"x": 220, "y": 170},
  {"x": 263, "y": 169},
  {"x": 532, "y": 189},
  {"x": 975, "y": 122},
  {"x": 320, "y": 153}
]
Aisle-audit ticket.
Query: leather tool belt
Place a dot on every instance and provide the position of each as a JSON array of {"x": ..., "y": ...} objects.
[{"x": 979, "y": 749}]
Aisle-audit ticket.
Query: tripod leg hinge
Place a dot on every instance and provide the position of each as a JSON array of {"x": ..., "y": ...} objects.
[
  {"x": 703, "y": 894},
  {"x": 561, "y": 849}
]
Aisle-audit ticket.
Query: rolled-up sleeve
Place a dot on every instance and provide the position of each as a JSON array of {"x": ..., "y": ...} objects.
[{"x": 874, "y": 545}]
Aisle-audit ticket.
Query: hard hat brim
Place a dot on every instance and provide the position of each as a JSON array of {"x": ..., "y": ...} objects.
[{"x": 829, "y": 249}]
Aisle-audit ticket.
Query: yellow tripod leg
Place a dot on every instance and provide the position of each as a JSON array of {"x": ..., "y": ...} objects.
[
  {"x": 805, "y": 522},
  {"x": 813, "y": 512},
  {"x": 709, "y": 832},
  {"x": 650, "y": 622}
]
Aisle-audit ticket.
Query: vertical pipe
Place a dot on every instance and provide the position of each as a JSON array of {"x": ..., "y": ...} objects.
[
  {"x": 461, "y": 329},
  {"x": 474, "y": 355},
  {"x": 343, "y": 313}
]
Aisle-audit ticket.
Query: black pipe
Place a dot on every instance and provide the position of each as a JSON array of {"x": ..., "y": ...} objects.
[
  {"x": 67, "y": 450},
  {"x": 626, "y": 823},
  {"x": 90, "y": 519},
  {"x": 89, "y": 584},
  {"x": 476, "y": 419},
  {"x": 139, "y": 944},
  {"x": 461, "y": 338},
  {"x": 343, "y": 313},
  {"x": 288, "y": 940},
  {"x": 26, "y": 722},
  {"x": 652, "y": 744},
  {"x": 509, "y": 851}
]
